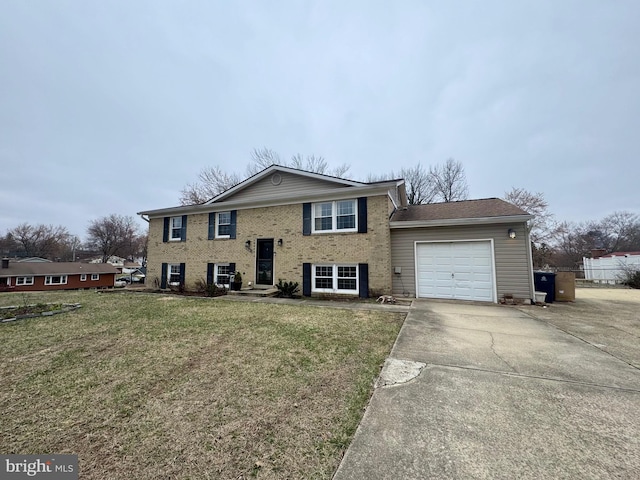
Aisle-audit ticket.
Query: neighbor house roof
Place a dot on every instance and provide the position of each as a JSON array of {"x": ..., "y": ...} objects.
[
  {"x": 55, "y": 268},
  {"x": 620, "y": 254},
  {"x": 486, "y": 210}
]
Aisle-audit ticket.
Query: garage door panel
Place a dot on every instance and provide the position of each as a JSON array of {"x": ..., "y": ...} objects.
[{"x": 455, "y": 270}]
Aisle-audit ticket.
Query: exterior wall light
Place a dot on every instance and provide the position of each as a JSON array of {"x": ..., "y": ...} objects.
[
  {"x": 247, "y": 244},
  {"x": 512, "y": 233},
  {"x": 280, "y": 242}
]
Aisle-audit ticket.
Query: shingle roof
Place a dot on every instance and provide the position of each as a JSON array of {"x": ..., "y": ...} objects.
[
  {"x": 483, "y": 208},
  {"x": 55, "y": 268}
]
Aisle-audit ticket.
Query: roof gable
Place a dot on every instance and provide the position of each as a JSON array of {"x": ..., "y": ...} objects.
[{"x": 278, "y": 178}]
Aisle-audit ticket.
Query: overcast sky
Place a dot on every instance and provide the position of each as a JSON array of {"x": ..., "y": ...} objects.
[{"x": 112, "y": 107}]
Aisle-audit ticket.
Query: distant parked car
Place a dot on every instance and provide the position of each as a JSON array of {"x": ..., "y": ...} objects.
[{"x": 120, "y": 283}]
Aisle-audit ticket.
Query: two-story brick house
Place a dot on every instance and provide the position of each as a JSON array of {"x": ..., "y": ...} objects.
[{"x": 333, "y": 236}]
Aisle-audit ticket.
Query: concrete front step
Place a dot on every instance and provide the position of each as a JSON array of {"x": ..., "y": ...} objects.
[{"x": 255, "y": 292}]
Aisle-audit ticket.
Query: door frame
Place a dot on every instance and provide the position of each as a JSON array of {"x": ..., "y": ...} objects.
[{"x": 273, "y": 260}]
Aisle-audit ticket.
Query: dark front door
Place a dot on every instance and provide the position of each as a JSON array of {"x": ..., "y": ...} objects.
[{"x": 264, "y": 274}]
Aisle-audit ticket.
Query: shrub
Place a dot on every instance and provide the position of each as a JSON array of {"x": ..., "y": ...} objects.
[
  {"x": 287, "y": 289},
  {"x": 632, "y": 278}
]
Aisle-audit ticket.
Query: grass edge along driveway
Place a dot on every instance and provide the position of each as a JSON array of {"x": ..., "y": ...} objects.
[{"x": 161, "y": 386}]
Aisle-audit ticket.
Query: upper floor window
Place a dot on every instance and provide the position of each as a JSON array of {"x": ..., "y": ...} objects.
[
  {"x": 223, "y": 225},
  {"x": 175, "y": 228},
  {"x": 337, "y": 216}
]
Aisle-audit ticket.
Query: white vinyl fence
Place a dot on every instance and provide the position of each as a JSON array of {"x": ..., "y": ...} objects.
[{"x": 609, "y": 269}]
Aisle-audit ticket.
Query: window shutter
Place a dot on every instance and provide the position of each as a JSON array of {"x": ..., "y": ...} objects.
[
  {"x": 363, "y": 280},
  {"x": 306, "y": 219},
  {"x": 209, "y": 273},
  {"x": 163, "y": 276},
  {"x": 232, "y": 267},
  {"x": 165, "y": 231},
  {"x": 183, "y": 231},
  {"x": 232, "y": 230},
  {"x": 362, "y": 215},
  {"x": 306, "y": 279},
  {"x": 212, "y": 225},
  {"x": 182, "y": 272}
]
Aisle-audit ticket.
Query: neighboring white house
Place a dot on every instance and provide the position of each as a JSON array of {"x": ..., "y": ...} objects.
[{"x": 610, "y": 268}]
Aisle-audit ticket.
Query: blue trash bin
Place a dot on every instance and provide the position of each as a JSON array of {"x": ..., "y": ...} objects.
[{"x": 545, "y": 282}]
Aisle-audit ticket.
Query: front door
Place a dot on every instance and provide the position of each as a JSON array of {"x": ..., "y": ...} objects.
[{"x": 264, "y": 262}]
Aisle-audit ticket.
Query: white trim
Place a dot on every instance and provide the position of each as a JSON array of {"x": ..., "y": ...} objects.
[
  {"x": 459, "y": 221},
  {"x": 530, "y": 256},
  {"x": 275, "y": 201},
  {"x": 169, "y": 265},
  {"x": 83, "y": 277},
  {"x": 215, "y": 273},
  {"x": 334, "y": 217},
  {"x": 217, "y": 224},
  {"x": 172, "y": 228},
  {"x": 334, "y": 277},
  {"x": 494, "y": 279},
  {"x": 95, "y": 277},
  {"x": 48, "y": 278}
]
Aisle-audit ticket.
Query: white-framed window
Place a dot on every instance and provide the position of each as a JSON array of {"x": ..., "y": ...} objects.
[
  {"x": 24, "y": 280},
  {"x": 173, "y": 274},
  {"x": 55, "y": 280},
  {"x": 335, "y": 279},
  {"x": 223, "y": 225},
  {"x": 337, "y": 216},
  {"x": 222, "y": 274},
  {"x": 95, "y": 276},
  {"x": 175, "y": 228},
  {"x": 83, "y": 277}
]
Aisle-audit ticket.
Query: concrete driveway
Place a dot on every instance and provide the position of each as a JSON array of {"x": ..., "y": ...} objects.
[{"x": 486, "y": 391}]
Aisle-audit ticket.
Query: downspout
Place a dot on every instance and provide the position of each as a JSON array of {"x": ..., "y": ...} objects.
[
  {"x": 142, "y": 217},
  {"x": 530, "y": 255}
]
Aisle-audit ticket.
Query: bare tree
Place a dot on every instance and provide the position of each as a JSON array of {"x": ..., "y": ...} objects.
[
  {"x": 44, "y": 241},
  {"x": 213, "y": 180},
  {"x": 417, "y": 181},
  {"x": 542, "y": 227},
  {"x": 449, "y": 181},
  {"x": 264, "y": 157},
  {"x": 113, "y": 235}
]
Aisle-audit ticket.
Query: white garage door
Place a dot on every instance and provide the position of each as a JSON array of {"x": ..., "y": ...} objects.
[{"x": 457, "y": 270}]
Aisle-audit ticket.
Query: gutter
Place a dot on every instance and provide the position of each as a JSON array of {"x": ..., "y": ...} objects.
[
  {"x": 333, "y": 194},
  {"x": 450, "y": 222}
]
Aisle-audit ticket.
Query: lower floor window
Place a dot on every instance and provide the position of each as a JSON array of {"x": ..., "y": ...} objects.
[
  {"x": 24, "y": 281},
  {"x": 95, "y": 276},
  {"x": 222, "y": 274},
  {"x": 173, "y": 274},
  {"x": 55, "y": 280},
  {"x": 335, "y": 278}
]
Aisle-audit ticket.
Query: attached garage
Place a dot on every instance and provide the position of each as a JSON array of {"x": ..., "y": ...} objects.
[
  {"x": 470, "y": 250},
  {"x": 462, "y": 270}
]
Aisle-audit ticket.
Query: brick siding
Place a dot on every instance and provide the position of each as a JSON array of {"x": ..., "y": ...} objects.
[{"x": 280, "y": 222}]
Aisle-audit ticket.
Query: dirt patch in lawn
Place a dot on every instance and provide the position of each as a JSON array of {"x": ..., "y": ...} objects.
[{"x": 140, "y": 387}]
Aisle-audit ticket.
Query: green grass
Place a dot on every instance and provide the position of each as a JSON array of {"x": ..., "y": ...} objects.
[{"x": 154, "y": 386}]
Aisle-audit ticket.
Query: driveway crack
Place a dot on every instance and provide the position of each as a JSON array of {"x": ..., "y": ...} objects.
[{"x": 493, "y": 344}]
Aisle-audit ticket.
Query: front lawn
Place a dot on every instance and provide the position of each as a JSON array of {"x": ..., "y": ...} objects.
[{"x": 154, "y": 386}]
